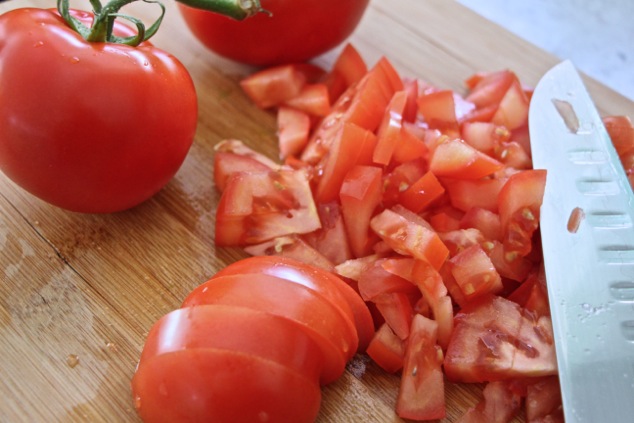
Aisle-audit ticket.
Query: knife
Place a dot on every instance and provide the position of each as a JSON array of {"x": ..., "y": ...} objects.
[{"x": 588, "y": 244}]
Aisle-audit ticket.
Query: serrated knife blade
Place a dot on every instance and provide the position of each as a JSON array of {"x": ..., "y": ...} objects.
[{"x": 587, "y": 233}]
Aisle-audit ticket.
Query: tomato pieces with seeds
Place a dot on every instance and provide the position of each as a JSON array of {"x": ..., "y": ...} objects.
[
  {"x": 431, "y": 200},
  {"x": 494, "y": 339}
]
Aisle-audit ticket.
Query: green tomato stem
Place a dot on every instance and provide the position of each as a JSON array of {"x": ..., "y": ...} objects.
[
  {"x": 236, "y": 9},
  {"x": 105, "y": 16}
]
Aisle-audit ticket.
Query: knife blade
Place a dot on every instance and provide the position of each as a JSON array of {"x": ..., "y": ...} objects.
[{"x": 588, "y": 244}]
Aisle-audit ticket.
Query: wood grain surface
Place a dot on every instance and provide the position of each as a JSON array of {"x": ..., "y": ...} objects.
[{"x": 78, "y": 293}]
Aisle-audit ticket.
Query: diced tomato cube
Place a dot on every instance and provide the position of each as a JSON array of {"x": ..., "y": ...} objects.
[
  {"x": 467, "y": 194},
  {"x": 293, "y": 128},
  {"x": 486, "y": 221},
  {"x": 475, "y": 274},
  {"x": 543, "y": 401},
  {"x": 457, "y": 159},
  {"x": 227, "y": 163},
  {"x": 422, "y": 193},
  {"x": 500, "y": 405},
  {"x": 389, "y": 132},
  {"x": 352, "y": 146},
  {"x": 410, "y": 238},
  {"x": 313, "y": 99},
  {"x": 421, "y": 393},
  {"x": 386, "y": 349},
  {"x": 512, "y": 111},
  {"x": 273, "y": 86},
  {"x": 360, "y": 195},
  {"x": 438, "y": 109},
  {"x": 397, "y": 311}
]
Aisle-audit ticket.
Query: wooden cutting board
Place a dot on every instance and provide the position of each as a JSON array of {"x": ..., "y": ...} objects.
[{"x": 79, "y": 293}]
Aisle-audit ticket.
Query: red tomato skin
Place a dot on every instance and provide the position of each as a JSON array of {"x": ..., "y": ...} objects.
[
  {"x": 333, "y": 331},
  {"x": 295, "y": 31},
  {"x": 236, "y": 328},
  {"x": 326, "y": 283},
  {"x": 208, "y": 385},
  {"x": 103, "y": 129}
]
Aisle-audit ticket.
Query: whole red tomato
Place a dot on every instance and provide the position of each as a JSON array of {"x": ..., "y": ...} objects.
[
  {"x": 89, "y": 126},
  {"x": 295, "y": 30}
]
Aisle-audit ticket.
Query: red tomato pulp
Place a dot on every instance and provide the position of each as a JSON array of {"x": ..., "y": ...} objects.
[{"x": 295, "y": 31}]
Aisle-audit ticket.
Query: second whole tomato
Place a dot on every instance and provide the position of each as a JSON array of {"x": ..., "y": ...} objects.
[{"x": 292, "y": 31}]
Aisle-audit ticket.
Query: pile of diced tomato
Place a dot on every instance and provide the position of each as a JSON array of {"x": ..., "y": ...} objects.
[{"x": 425, "y": 201}]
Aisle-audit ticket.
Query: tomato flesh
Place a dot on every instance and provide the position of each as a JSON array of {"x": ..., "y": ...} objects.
[{"x": 494, "y": 340}]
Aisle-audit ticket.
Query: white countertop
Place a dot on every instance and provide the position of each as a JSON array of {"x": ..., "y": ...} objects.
[{"x": 596, "y": 35}]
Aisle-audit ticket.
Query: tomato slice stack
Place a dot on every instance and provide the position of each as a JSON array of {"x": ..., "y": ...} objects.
[{"x": 254, "y": 343}]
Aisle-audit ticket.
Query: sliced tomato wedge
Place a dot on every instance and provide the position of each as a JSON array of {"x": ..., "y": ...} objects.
[
  {"x": 389, "y": 132},
  {"x": 494, "y": 339},
  {"x": 331, "y": 240},
  {"x": 348, "y": 69},
  {"x": 360, "y": 195},
  {"x": 519, "y": 203},
  {"x": 293, "y": 128},
  {"x": 421, "y": 394},
  {"x": 352, "y": 146},
  {"x": 259, "y": 206}
]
